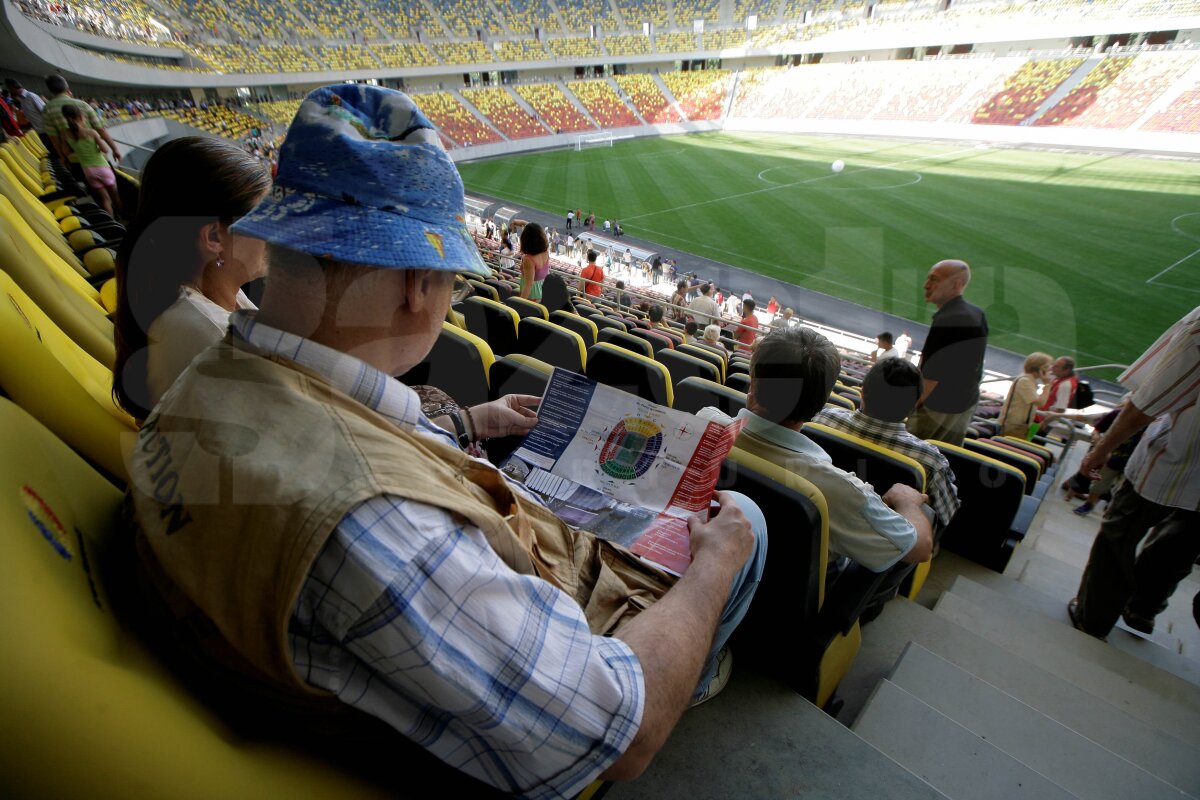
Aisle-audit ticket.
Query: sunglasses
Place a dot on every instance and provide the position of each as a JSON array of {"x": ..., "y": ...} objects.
[{"x": 462, "y": 289}]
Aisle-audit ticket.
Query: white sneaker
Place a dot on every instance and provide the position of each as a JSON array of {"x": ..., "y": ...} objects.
[{"x": 719, "y": 679}]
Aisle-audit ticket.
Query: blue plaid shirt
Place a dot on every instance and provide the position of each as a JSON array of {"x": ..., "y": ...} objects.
[{"x": 409, "y": 615}]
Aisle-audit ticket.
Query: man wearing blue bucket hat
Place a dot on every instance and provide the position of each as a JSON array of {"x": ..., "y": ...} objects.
[{"x": 337, "y": 544}]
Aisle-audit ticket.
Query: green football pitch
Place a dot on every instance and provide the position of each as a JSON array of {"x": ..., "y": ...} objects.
[{"x": 1093, "y": 254}]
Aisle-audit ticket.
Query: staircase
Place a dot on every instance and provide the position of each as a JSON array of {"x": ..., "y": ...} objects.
[
  {"x": 626, "y": 99},
  {"x": 662, "y": 87},
  {"x": 575, "y": 101},
  {"x": 990, "y": 694}
]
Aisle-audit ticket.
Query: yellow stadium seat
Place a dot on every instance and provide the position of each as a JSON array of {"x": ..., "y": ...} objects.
[
  {"x": 40, "y": 219},
  {"x": 50, "y": 376},
  {"x": 90, "y": 712}
]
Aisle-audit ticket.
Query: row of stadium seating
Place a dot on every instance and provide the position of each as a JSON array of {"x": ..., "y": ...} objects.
[{"x": 554, "y": 108}]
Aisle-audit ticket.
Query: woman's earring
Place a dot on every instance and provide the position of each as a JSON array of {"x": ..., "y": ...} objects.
[{"x": 220, "y": 262}]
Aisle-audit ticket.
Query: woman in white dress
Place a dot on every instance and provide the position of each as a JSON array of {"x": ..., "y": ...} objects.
[{"x": 180, "y": 270}]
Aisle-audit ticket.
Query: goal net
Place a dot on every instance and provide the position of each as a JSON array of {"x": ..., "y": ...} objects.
[{"x": 593, "y": 140}]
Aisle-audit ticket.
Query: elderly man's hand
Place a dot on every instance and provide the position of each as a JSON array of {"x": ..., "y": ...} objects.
[
  {"x": 727, "y": 533},
  {"x": 900, "y": 496},
  {"x": 511, "y": 415}
]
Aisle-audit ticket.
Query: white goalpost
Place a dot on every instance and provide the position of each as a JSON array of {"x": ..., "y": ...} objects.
[{"x": 602, "y": 139}]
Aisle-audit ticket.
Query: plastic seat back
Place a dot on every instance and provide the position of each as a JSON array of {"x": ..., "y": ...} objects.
[
  {"x": 739, "y": 381},
  {"x": 527, "y": 308},
  {"x": 1019, "y": 461},
  {"x": 586, "y": 328},
  {"x": 493, "y": 322},
  {"x": 48, "y": 374},
  {"x": 705, "y": 354},
  {"x": 657, "y": 340},
  {"x": 683, "y": 366},
  {"x": 630, "y": 372},
  {"x": 39, "y": 219},
  {"x": 693, "y": 394},
  {"x": 552, "y": 344},
  {"x": 458, "y": 364},
  {"x": 481, "y": 289},
  {"x": 75, "y": 673},
  {"x": 872, "y": 463},
  {"x": 628, "y": 341},
  {"x": 990, "y": 492},
  {"x": 519, "y": 374}
]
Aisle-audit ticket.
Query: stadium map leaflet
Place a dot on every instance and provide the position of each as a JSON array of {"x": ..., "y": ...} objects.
[{"x": 621, "y": 467}]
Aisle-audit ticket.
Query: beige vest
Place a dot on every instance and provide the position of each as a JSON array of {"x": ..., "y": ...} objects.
[{"x": 246, "y": 467}]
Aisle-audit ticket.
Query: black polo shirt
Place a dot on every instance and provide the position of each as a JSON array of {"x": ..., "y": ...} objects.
[{"x": 953, "y": 356}]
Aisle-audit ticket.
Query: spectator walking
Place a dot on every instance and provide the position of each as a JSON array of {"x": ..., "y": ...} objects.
[
  {"x": 1026, "y": 392},
  {"x": 593, "y": 275},
  {"x": 748, "y": 330}
]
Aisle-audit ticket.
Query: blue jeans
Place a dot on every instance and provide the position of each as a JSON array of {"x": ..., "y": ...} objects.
[{"x": 745, "y": 583}]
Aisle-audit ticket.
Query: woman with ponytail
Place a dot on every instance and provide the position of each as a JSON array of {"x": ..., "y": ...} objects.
[
  {"x": 179, "y": 269},
  {"x": 90, "y": 149}
]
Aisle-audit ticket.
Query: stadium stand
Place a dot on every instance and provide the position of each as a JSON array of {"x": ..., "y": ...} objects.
[
  {"x": 603, "y": 103},
  {"x": 554, "y": 108},
  {"x": 1025, "y": 91},
  {"x": 1127, "y": 96},
  {"x": 525, "y": 17},
  {"x": 464, "y": 52},
  {"x": 855, "y": 94},
  {"x": 675, "y": 42},
  {"x": 652, "y": 11},
  {"x": 465, "y": 17},
  {"x": 647, "y": 98},
  {"x": 702, "y": 93},
  {"x": 1086, "y": 92},
  {"x": 576, "y": 47},
  {"x": 627, "y": 45},
  {"x": 278, "y": 112},
  {"x": 350, "y": 56},
  {"x": 499, "y": 106},
  {"x": 578, "y": 15},
  {"x": 720, "y": 40},
  {"x": 218, "y": 120},
  {"x": 234, "y": 58},
  {"x": 454, "y": 120},
  {"x": 763, "y": 9},
  {"x": 1181, "y": 116},
  {"x": 398, "y": 54},
  {"x": 922, "y": 91},
  {"x": 263, "y": 18},
  {"x": 688, "y": 11},
  {"x": 404, "y": 20},
  {"x": 522, "y": 50},
  {"x": 344, "y": 20}
]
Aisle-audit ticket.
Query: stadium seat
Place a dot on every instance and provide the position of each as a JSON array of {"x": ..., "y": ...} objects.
[
  {"x": 74, "y": 672},
  {"x": 514, "y": 374},
  {"x": 458, "y": 364},
  {"x": 584, "y": 327},
  {"x": 503, "y": 290},
  {"x": 739, "y": 381},
  {"x": 704, "y": 354},
  {"x": 693, "y": 394},
  {"x": 657, "y": 340},
  {"x": 527, "y": 308},
  {"x": 627, "y": 340},
  {"x": 495, "y": 323},
  {"x": 552, "y": 344},
  {"x": 837, "y": 401},
  {"x": 602, "y": 322},
  {"x": 1025, "y": 464},
  {"x": 1043, "y": 452},
  {"x": 53, "y": 378},
  {"x": 985, "y": 529},
  {"x": 738, "y": 367},
  {"x": 792, "y": 596},
  {"x": 629, "y": 372},
  {"x": 39, "y": 219},
  {"x": 57, "y": 290},
  {"x": 684, "y": 365},
  {"x": 481, "y": 289}
]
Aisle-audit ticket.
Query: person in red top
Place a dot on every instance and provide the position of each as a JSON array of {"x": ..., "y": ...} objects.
[
  {"x": 1062, "y": 388},
  {"x": 747, "y": 334},
  {"x": 773, "y": 305},
  {"x": 593, "y": 276}
]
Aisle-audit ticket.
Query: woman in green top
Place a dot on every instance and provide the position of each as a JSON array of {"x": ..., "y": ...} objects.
[{"x": 90, "y": 149}]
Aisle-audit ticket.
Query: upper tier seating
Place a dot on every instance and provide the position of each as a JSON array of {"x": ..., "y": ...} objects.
[
  {"x": 403, "y": 19},
  {"x": 344, "y": 19},
  {"x": 578, "y": 15},
  {"x": 576, "y": 47},
  {"x": 1127, "y": 96},
  {"x": 555, "y": 109},
  {"x": 675, "y": 42},
  {"x": 522, "y": 50},
  {"x": 1085, "y": 93},
  {"x": 523, "y": 17},
  {"x": 647, "y": 98},
  {"x": 1025, "y": 91},
  {"x": 454, "y": 120},
  {"x": 701, "y": 94},
  {"x": 636, "y": 12},
  {"x": 499, "y": 106},
  {"x": 721, "y": 40},
  {"x": 263, "y": 17},
  {"x": 465, "y": 52},
  {"x": 465, "y": 17},
  {"x": 219, "y": 120},
  {"x": 232, "y": 58},
  {"x": 405, "y": 55},
  {"x": 345, "y": 57},
  {"x": 763, "y": 9},
  {"x": 604, "y": 104},
  {"x": 632, "y": 45},
  {"x": 688, "y": 11},
  {"x": 278, "y": 112}
]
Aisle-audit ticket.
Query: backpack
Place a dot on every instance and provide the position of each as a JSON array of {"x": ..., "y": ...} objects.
[{"x": 1083, "y": 395}]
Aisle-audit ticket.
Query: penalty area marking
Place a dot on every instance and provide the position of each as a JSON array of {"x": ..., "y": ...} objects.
[
  {"x": 1188, "y": 257},
  {"x": 916, "y": 178}
]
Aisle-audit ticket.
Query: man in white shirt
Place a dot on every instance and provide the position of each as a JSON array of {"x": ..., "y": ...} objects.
[
  {"x": 1160, "y": 490},
  {"x": 704, "y": 309},
  {"x": 31, "y": 106},
  {"x": 884, "y": 348}
]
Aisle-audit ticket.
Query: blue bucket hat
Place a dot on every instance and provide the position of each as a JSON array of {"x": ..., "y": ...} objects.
[{"x": 363, "y": 179}]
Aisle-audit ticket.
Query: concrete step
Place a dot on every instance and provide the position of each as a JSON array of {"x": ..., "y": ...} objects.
[
  {"x": 1158, "y": 649},
  {"x": 1138, "y": 741},
  {"x": 1120, "y": 679},
  {"x": 1051, "y": 749},
  {"x": 953, "y": 760},
  {"x": 759, "y": 739}
]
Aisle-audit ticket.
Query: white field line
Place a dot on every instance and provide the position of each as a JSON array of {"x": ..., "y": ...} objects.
[
  {"x": 778, "y": 186},
  {"x": 1175, "y": 228}
]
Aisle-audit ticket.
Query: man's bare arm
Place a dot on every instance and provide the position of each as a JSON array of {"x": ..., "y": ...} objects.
[
  {"x": 1128, "y": 422},
  {"x": 907, "y": 502}
]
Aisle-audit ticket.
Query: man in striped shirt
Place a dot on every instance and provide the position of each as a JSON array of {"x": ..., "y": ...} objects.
[{"x": 1161, "y": 489}]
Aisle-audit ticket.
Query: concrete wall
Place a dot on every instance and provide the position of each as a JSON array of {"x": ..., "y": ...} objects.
[{"x": 562, "y": 140}]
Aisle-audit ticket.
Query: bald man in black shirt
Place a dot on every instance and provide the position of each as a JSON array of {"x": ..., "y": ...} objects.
[{"x": 952, "y": 359}]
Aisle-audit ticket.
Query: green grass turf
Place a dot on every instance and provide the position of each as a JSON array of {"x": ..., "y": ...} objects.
[{"x": 1061, "y": 244}]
